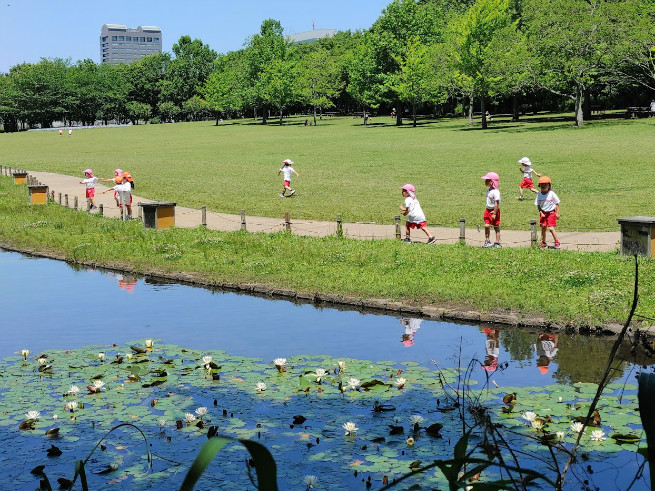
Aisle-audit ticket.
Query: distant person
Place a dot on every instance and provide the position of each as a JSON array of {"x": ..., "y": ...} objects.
[
  {"x": 123, "y": 192},
  {"x": 61, "y": 132},
  {"x": 90, "y": 180},
  {"x": 411, "y": 328},
  {"x": 652, "y": 108},
  {"x": 491, "y": 214},
  {"x": 70, "y": 131},
  {"x": 286, "y": 172},
  {"x": 492, "y": 347},
  {"x": 487, "y": 116},
  {"x": 307, "y": 122},
  {"x": 546, "y": 348},
  {"x": 547, "y": 202},
  {"x": 117, "y": 179},
  {"x": 411, "y": 208},
  {"x": 525, "y": 166}
]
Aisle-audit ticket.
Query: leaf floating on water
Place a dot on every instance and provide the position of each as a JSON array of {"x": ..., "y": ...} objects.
[
  {"x": 106, "y": 470},
  {"x": 299, "y": 419},
  {"x": 38, "y": 470},
  {"x": 434, "y": 430},
  {"x": 154, "y": 383},
  {"x": 65, "y": 483},
  {"x": 415, "y": 465},
  {"x": 625, "y": 438},
  {"x": 137, "y": 349},
  {"x": 52, "y": 432},
  {"x": 396, "y": 430},
  {"x": 509, "y": 398},
  {"x": 381, "y": 408},
  {"x": 379, "y": 439},
  {"x": 166, "y": 361},
  {"x": 372, "y": 383},
  {"x": 53, "y": 451},
  {"x": 28, "y": 424},
  {"x": 97, "y": 377}
]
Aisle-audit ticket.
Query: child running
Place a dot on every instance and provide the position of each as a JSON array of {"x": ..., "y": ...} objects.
[
  {"x": 414, "y": 213},
  {"x": 526, "y": 167},
  {"x": 117, "y": 179},
  {"x": 90, "y": 180},
  {"x": 492, "y": 211},
  {"x": 125, "y": 188},
  {"x": 286, "y": 171},
  {"x": 547, "y": 203}
]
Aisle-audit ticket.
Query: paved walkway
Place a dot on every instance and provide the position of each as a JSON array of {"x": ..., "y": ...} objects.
[{"x": 191, "y": 218}]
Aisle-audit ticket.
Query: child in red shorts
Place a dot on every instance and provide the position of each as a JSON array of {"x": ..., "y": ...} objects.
[
  {"x": 526, "y": 183},
  {"x": 491, "y": 215},
  {"x": 547, "y": 203},
  {"x": 411, "y": 208},
  {"x": 90, "y": 180}
]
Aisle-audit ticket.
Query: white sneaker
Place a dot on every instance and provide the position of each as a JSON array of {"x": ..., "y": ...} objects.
[
  {"x": 486, "y": 244},
  {"x": 282, "y": 195},
  {"x": 292, "y": 192}
]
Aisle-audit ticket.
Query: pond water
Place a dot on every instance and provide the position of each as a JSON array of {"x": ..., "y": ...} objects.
[{"x": 50, "y": 305}]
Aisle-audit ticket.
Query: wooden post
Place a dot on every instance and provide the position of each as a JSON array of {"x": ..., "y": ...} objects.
[
  {"x": 533, "y": 232},
  {"x": 243, "y": 219},
  {"x": 66, "y": 200},
  {"x": 139, "y": 213},
  {"x": 396, "y": 219},
  {"x": 287, "y": 221},
  {"x": 462, "y": 230},
  {"x": 339, "y": 226},
  {"x": 52, "y": 196},
  {"x": 101, "y": 210},
  {"x": 75, "y": 202},
  {"x": 203, "y": 213},
  {"x": 59, "y": 198},
  {"x": 88, "y": 204}
]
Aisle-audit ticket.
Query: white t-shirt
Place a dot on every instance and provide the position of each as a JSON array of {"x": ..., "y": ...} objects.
[
  {"x": 412, "y": 326},
  {"x": 90, "y": 182},
  {"x": 124, "y": 186},
  {"x": 546, "y": 202},
  {"x": 493, "y": 196},
  {"x": 546, "y": 348},
  {"x": 415, "y": 214},
  {"x": 286, "y": 172},
  {"x": 527, "y": 171}
]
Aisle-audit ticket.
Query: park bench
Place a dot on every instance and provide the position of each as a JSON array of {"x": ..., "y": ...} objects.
[{"x": 638, "y": 112}]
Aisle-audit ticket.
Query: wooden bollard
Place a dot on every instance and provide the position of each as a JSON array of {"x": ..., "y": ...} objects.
[
  {"x": 139, "y": 213},
  {"x": 52, "y": 196},
  {"x": 339, "y": 226},
  {"x": 533, "y": 232},
  {"x": 203, "y": 216},
  {"x": 101, "y": 210},
  {"x": 75, "y": 202},
  {"x": 287, "y": 221},
  {"x": 60, "y": 198},
  {"x": 462, "y": 230},
  {"x": 88, "y": 204},
  {"x": 396, "y": 219},
  {"x": 66, "y": 199},
  {"x": 243, "y": 219}
]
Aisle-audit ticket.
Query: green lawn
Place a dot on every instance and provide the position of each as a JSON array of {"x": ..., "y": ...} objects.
[{"x": 601, "y": 171}]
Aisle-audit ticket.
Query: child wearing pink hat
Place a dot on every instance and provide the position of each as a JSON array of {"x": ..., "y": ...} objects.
[
  {"x": 411, "y": 208},
  {"x": 117, "y": 179},
  {"x": 492, "y": 210},
  {"x": 90, "y": 180}
]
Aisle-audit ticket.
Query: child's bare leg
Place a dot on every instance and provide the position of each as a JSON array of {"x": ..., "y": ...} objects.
[
  {"x": 129, "y": 209},
  {"x": 543, "y": 234},
  {"x": 487, "y": 231},
  {"x": 534, "y": 190},
  {"x": 552, "y": 231},
  {"x": 520, "y": 191},
  {"x": 426, "y": 232},
  {"x": 497, "y": 230},
  {"x": 407, "y": 229}
]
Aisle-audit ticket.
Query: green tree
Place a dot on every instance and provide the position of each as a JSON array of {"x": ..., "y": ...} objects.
[
  {"x": 138, "y": 111},
  {"x": 414, "y": 83},
  {"x": 167, "y": 111},
  {"x": 113, "y": 92},
  {"x": 195, "y": 108},
  {"x": 319, "y": 79},
  {"x": 278, "y": 85},
  {"x": 225, "y": 90},
  {"x": 144, "y": 78}
]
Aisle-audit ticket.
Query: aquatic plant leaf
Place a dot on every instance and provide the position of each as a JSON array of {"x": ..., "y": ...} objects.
[
  {"x": 625, "y": 438},
  {"x": 54, "y": 451},
  {"x": 38, "y": 470}
]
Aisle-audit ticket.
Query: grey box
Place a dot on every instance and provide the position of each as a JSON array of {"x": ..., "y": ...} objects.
[{"x": 638, "y": 236}]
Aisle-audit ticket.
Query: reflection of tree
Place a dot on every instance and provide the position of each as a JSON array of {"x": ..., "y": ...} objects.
[
  {"x": 519, "y": 343},
  {"x": 583, "y": 359}
]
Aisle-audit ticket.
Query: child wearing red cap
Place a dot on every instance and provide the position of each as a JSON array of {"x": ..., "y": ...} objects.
[
  {"x": 547, "y": 202},
  {"x": 123, "y": 189},
  {"x": 90, "y": 180},
  {"x": 491, "y": 215},
  {"x": 117, "y": 179},
  {"x": 411, "y": 208}
]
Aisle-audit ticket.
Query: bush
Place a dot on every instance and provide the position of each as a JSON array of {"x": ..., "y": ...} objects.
[{"x": 155, "y": 120}]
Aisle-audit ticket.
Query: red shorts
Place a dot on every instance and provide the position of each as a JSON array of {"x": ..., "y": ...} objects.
[
  {"x": 287, "y": 183},
  {"x": 491, "y": 221},
  {"x": 416, "y": 225},
  {"x": 548, "y": 220},
  {"x": 90, "y": 192},
  {"x": 526, "y": 183}
]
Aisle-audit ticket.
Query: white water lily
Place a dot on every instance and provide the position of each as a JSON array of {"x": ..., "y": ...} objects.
[
  {"x": 342, "y": 365},
  {"x": 24, "y": 353},
  {"x": 310, "y": 481},
  {"x": 161, "y": 423},
  {"x": 98, "y": 384},
  {"x": 400, "y": 382},
  {"x": 206, "y": 360},
  {"x": 529, "y": 416},
  {"x": 201, "y": 411},
  {"x": 279, "y": 364},
  {"x": 598, "y": 435},
  {"x": 33, "y": 414},
  {"x": 577, "y": 427},
  {"x": 55, "y": 417},
  {"x": 320, "y": 373},
  {"x": 260, "y": 387},
  {"x": 560, "y": 435},
  {"x": 149, "y": 343},
  {"x": 559, "y": 399},
  {"x": 409, "y": 441},
  {"x": 350, "y": 428},
  {"x": 354, "y": 383},
  {"x": 128, "y": 356},
  {"x": 73, "y": 390},
  {"x": 189, "y": 418},
  {"x": 101, "y": 356},
  {"x": 72, "y": 405},
  {"x": 416, "y": 419},
  {"x": 537, "y": 424},
  {"x": 42, "y": 361}
]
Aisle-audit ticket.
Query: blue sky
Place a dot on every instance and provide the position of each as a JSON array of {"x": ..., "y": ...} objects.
[{"x": 31, "y": 29}]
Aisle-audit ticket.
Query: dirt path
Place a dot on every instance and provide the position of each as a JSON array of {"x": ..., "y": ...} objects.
[{"x": 191, "y": 218}]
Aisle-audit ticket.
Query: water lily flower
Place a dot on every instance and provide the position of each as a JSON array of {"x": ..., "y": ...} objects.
[
  {"x": 149, "y": 343},
  {"x": 42, "y": 361},
  {"x": 55, "y": 417},
  {"x": 73, "y": 390},
  {"x": 98, "y": 384},
  {"x": 409, "y": 441},
  {"x": 354, "y": 383},
  {"x": 24, "y": 352},
  {"x": 416, "y": 419},
  {"x": 342, "y": 365},
  {"x": 279, "y": 364},
  {"x": 598, "y": 435},
  {"x": 537, "y": 424},
  {"x": 201, "y": 411},
  {"x": 310, "y": 481},
  {"x": 529, "y": 416},
  {"x": 400, "y": 382},
  {"x": 559, "y": 399},
  {"x": 320, "y": 372},
  {"x": 560, "y": 435},
  {"x": 72, "y": 406},
  {"x": 101, "y": 356},
  {"x": 33, "y": 415},
  {"x": 260, "y": 387},
  {"x": 206, "y": 360},
  {"x": 128, "y": 356},
  {"x": 161, "y": 423},
  {"x": 189, "y": 418},
  {"x": 350, "y": 428},
  {"x": 577, "y": 427}
]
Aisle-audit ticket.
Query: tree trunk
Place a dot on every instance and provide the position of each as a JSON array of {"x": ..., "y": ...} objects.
[
  {"x": 483, "y": 111},
  {"x": 414, "y": 114},
  {"x": 470, "y": 110},
  {"x": 399, "y": 114},
  {"x": 280, "y": 116},
  {"x": 579, "y": 116},
  {"x": 515, "y": 108},
  {"x": 586, "y": 106},
  {"x": 264, "y": 115},
  {"x": 314, "y": 115},
  {"x": 217, "y": 118}
]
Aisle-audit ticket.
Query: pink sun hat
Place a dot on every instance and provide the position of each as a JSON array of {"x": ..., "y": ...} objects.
[
  {"x": 492, "y": 176},
  {"x": 88, "y": 171}
]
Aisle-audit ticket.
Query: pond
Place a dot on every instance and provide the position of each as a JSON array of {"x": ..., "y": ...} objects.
[{"x": 70, "y": 315}]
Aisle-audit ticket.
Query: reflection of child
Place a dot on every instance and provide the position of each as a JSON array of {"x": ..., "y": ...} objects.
[
  {"x": 546, "y": 350},
  {"x": 527, "y": 170},
  {"x": 411, "y": 208},
  {"x": 127, "y": 282},
  {"x": 547, "y": 203},
  {"x": 493, "y": 349},
  {"x": 286, "y": 171},
  {"x": 411, "y": 326},
  {"x": 491, "y": 215},
  {"x": 90, "y": 182}
]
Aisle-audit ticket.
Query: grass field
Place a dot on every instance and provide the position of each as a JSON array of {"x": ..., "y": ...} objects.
[{"x": 601, "y": 171}]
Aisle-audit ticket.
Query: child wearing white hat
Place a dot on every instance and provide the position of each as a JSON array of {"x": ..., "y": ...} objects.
[
  {"x": 286, "y": 171},
  {"x": 526, "y": 168}
]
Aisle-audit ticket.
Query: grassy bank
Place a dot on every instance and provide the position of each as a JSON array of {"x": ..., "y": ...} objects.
[
  {"x": 576, "y": 287},
  {"x": 600, "y": 171}
]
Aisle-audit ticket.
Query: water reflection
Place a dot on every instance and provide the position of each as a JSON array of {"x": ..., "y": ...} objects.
[{"x": 411, "y": 327}]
